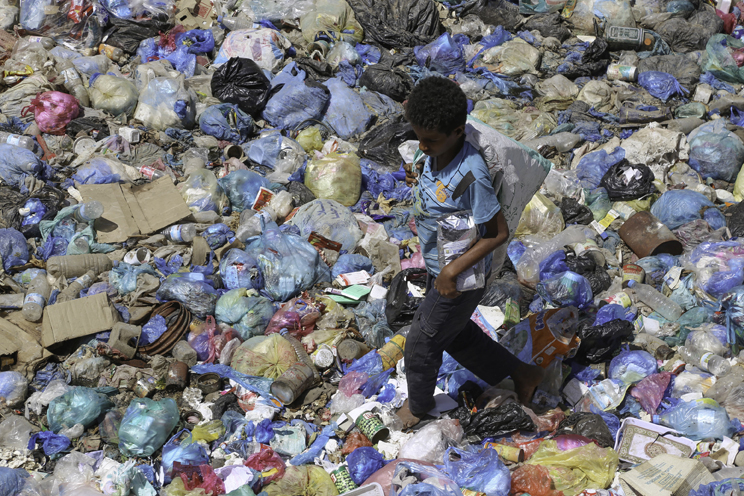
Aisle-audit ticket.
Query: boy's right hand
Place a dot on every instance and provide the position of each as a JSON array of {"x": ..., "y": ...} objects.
[{"x": 411, "y": 176}]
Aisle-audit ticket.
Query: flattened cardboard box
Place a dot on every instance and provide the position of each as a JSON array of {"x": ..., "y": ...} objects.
[
  {"x": 638, "y": 441},
  {"x": 76, "y": 318},
  {"x": 665, "y": 475},
  {"x": 130, "y": 210}
]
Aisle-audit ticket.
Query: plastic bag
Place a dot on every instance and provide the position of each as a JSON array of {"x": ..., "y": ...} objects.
[
  {"x": 202, "y": 192},
  {"x": 241, "y": 187},
  {"x": 166, "y": 103},
  {"x": 192, "y": 290},
  {"x": 346, "y": 114},
  {"x": 322, "y": 177},
  {"x": 17, "y": 164},
  {"x": 650, "y": 391},
  {"x": 363, "y": 462},
  {"x": 264, "y": 46},
  {"x": 533, "y": 480},
  {"x": 593, "y": 166},
  {"x": 597, "y": 465},
  {"x": 283, "y": 155},
  {"x": 443, "y": 55},
  {"x": 661, "y": 85},
  {"x": 13, "y": 389},
  {"x": 599, "y": 342},
  {"x": 53, "y": 110},
  {"x": 305, "y": 480},
  {"x": 480, "y": 470},
  {"x": 103, "y": 170},
  {"x": 432, "y": 481},
  {"x": 146, "y": 426},
  {"x": 383, "y": 23},
  {"x": 513, "y": 58},
  {"x": 333, "y": 19},
  {"x": 15, "y": 432},
  {"x": 632, "y": 366},
  {"x": 80, "y": 405},
  {"x": 680, "y": 206},
  {"x": 241, "y": 82},
  {"x": 288, "y": 263},
  {"x": 431, "y": 442},
  {"x": 352, "y": 263},
  {"x": 268, "y": 356},
  {"x": 733, "y": 303},
  {"x": 389, "y": 81},
  {"x": 226, "y": 122},
  {"x": 716, "y": 152},
  {"x": 12, "y": 481},
  {"x": 329, "y": 219},
  {"x": 456, "y": 234},
  {"x": 624, "y": 181},
  {"x": 494, "y": 422},
  {"x": 541, "y": 217},
  {"x": 297, "y": 101},
  {"x": 13, "y": 248},
  {"x": 113, "y": 94},
  {"x": 566, "y": 289}
]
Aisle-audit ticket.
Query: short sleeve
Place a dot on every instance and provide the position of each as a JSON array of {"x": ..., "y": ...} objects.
[{"x": 480, "y": 194}]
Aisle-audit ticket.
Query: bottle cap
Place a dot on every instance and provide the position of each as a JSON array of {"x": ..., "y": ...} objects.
[
  {"x": 656, "y": 419},
  {"x": 632, "y": 283}
]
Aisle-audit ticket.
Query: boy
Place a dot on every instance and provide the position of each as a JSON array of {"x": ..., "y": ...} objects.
[{"x": 452, "y": 178}]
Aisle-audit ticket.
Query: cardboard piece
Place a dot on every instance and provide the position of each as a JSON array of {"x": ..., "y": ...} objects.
[
  {"x": 638, "y": 441},
  {"x": 543, "y": 336},
  {"x": 76, "y": 318},
  {"x": 665, "y": 475},
  {"x": 132, "y": 210},
  {"x": 18, "y": 349}
]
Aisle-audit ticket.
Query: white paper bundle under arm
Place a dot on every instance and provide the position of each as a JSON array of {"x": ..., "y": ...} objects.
[{"x": 456, "y": 234}]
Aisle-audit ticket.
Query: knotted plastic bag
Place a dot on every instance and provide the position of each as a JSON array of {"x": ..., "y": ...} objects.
[{"x": 53, "y": 110}]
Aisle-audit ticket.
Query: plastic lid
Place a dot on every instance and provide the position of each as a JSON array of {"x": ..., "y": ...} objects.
[{"x": 632, "y": 283}]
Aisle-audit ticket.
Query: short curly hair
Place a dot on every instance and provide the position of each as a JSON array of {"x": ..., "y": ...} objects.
[{"x": 437, "y": 104}]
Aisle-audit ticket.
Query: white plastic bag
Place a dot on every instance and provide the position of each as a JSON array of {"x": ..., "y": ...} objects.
[{"x": 166, "y": 102}]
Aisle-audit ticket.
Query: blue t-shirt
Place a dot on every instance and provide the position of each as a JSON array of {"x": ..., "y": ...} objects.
[{"x": 432, "y": 198}]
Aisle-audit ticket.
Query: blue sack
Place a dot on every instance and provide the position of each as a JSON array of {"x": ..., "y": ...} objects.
[
  {"x": 240, "y": 270},
  {"x": 192, "y": 290},
  {"x": 79, "y": 405},
  {"x": 352, "y": 263},
  {"x": 12, "y": 481},
  {"x": 566, "y": 289},
  {"x": 51, "y": 442},
  {"x": 96, "y": 171},
  {"x": 297, "y": 101},
  {"x": 553, "y": 265},
  {"x": 249, "y": 315},
  {"x": 443, "y": 55},
  {"x": 241, "y": 187},
  {"x": 186, "y": 452},
  {"x": 346, "y": 114},
  {"x": 18, "y": 163},
  {"x": 716, "y": 152},
  {"x": 661, "y": 85},
  {"x": 363, "y": 462},
  {"x": 680, "y": 206},
  {"x": 593, "y": 166},
  {"x": 13, "y": 248},
  {"x": 478, "y": 469},
  {"x": 632, "y": 366},
  {"x": 217, "y": 121}
]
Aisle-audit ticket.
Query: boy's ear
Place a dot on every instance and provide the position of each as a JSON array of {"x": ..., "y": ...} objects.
[{"x": 460, "y": 130}]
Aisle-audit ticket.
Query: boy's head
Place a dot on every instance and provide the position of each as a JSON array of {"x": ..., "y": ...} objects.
[{"x": 437, "y": 109}]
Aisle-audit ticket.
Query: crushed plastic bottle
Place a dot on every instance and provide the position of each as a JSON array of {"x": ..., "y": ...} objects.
[{"x": 36, "y": 298}]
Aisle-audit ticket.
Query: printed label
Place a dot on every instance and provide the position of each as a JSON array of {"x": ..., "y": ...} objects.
[
  {"x": 174, "y": 233},
  {"x": 14, "y": 139},
  {"x": 35, "y": 298},
  {"x": 231, "y": 275},
  {"x": 598, "y": 227},
  {"x": 147, "y": 171},
  {"x": 85, "y": 280},
  {"x": 263, "y": 197},
  {"x": 705, "y": 359},
  {"x": 671, "y": 278}
]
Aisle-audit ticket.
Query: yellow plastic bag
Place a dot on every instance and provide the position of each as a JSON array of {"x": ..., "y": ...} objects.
[
  {"x": 596, "y": 465},
  {"x": 310, "y": 139},
  {"x": 541, "y": 217},
  {"x": 270, "y": 358},
  {"x": 208, "y": 431},
  {"x": 303, "y": 480},
  {"x": 176, "y": 488},
  {"x": 337, "y": 176},
  {"x": 739, "y": 186},
  {"x": 333, "y": 18}
]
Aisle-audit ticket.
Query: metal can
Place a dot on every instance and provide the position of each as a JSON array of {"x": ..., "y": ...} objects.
[
  {"x": 177, "y": 377},
  {"x": 619, "y": 298},
  {"x": 372, "y": 426},
  {"x": 293, "y": 382},
  {"x": 145, "y": 387},
  {"x": 633, "y": 272},
  {"x": 349, "y": 350},
  {"x": 622, "y": 72},
  {"x": 509, "y": 453},
  {"x": 342, "y": 479},
  {"x": 324, "y": 357}
]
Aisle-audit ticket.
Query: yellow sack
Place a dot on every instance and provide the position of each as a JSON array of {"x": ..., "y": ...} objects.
[
  {"x": 303, "y": 480},
  {"x": 739, "y": 186},
  {"x": 541, "y": 217},
  {"x": 270, "y": 358},
  {"x": 337, "y": 176}
]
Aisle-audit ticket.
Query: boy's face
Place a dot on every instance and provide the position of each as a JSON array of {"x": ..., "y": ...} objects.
[{"x": 434, "y": 143}]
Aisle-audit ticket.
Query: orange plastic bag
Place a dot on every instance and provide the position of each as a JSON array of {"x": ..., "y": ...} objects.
[{"x": 533, "y": 480}]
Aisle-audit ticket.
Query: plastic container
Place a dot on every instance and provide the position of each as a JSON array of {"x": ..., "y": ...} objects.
[
  {"x": 77, "y": 265},
  {"x": 706, "y": 360},
  {"x": 654, "y": 345},
  {"x": 73, "y": 82},
  {"x": 88, "y": 212},
  {"x": 392, "y": 352},
  {"x": 181, "y": 233},
  {"x": 36, "y": 298},
  {"x": 26, "y": 142},
  {"x": 235, "y": 23},
  {"x": 660, "y": 303},
  {"x": 697, "y": 419},
  {"x": 72, "y": 291},
  {"x": 373, "y": 489},
  {"x": 528, "y": 267},
  {"x": 251, "y": 226},
  {"x": 151, "y": 172}
]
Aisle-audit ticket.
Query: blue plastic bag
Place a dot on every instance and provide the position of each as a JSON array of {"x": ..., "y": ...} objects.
[
  {"x": 80, "y": 405},
  {"x": 152, "y": 330},
  {"x": 661, "y": 85},
  {"x": 733, "y": 303},
  {"x": 443, "y": 55},
  {"x": 297, "y": 101},
  {"x": 12, "y": 481},
  {"x": 13, "y": 248},
  {"x": 51, "y": 442},
  {"x": 217, "y": 235},
  {"x": 124, "y": 276},
  {"x": 553, "y": 265},
  {"x": 439, "y": 485},
  {"x": 97, "y": 170},
  {"x": 288, "y": 263},
  {"x": 567, "y": 289},
  {"x": 249, "y": 315},
  {"x": 146, "y": 426},
  {"x": 632, "y": 366},
  {"x": 186, "y": 452},
  {"x": 719, "y": 488},
  {"x": 716, "y": 152},
  {"x": 680, "y": 206},
  {"x": 240, "y": 270},
  {"x": 352, "y": 263},
  {"x": 346, "y": 114},
  {"x": 18, "y": 163},
  {"x": 190, "y": 289},
  {"x": 480, "y": 470},
  {"x": 593, "y": 166},
  {"x": 330, "y": 219},
  {"x": 363, "y": 462},
  {"x": 241, "y": 187},
  {"x": 227, "y": 122}
]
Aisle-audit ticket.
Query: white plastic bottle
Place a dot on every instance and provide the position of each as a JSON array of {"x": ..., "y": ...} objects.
[
  {"x": 26, "y": 142},
  {"x": 88, "y": 211},
  {"x": 252, "y": 226},
  {"x": 236, "y": 23},
  {"x": 660, "y": 303},
  {"x": 706, "y": 360},
  {"x": 72, "y": 291},
  {"x": 36, "y": 298},
  {"x": 73, "y": 82},
  {"x": 180, "y": 233}
]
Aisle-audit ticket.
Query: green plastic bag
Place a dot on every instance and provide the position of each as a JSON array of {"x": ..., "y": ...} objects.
[{"x": 146, "y": 426}]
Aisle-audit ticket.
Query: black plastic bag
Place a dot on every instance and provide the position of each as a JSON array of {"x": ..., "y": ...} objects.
[
  {"x": 626, "y": 181},
  {"x": 242, "y": 82},
  {"x": 683, "y": 67},
  {"x": 495, "y": 12},
  {"x": 598, "y": 343},
  {"x": 301, "y": 194},
  {"x": 599, "y": 280},
  {"x": 735, "y": 219},
  {"x": 316, "y": 70},
  {"x": 594, "y": 61},
  {"x": 381, "y": 143},
  {"x": 575, "y": 213},
  {"x": 387, "y": 80},
  {"x": 502, "y": 289},
  {"x": 548, "y": 25},
  {"x": 494, "y": 422},
  {"x": 95, "y": 127},
  {"x": 588, "y": 425},
  {"x": 401, "y": 307},
  {"x": 128, "y": 34},
  {"x": 398, "y": 23}
]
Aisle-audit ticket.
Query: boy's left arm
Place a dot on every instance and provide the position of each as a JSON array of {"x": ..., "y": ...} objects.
[{"x": 497, "y": 233}]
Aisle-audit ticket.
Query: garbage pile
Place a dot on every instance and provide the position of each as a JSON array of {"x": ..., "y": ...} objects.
[{"x": 211, "y": 260}]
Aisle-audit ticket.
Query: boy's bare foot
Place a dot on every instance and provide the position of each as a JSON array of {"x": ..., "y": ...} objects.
[
  {"x": 409, "y": 419},
  {"x": 526, "y": 379}
]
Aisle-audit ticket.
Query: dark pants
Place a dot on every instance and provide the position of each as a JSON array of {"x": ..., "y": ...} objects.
[{"x": 442, "y": 324}]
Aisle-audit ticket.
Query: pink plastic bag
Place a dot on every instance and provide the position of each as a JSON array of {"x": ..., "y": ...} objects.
[
  {"x": 650, "y": 391},
  {"x": 53, "y": 110},
  {"x": 298, "y": 316}
]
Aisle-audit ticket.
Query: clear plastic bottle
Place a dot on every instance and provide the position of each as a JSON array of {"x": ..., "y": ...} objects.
[
  {"x": 151, "y": 172},
  {"x": 36, "y": 298},
  {"x": 88, "y": 211},
  {"x": 660, "y": 303},
  {"x": 18, "y": 140},
  {"x": 72, "y": 291},
  {"x": 45, "y": 41},
  {"x": 654, "y": 345},
  {"x": 180, "y": 233},
  {"x": 528, "y": 267},
  {"x": 76, "y": 265},
  {"x": 392, "y": 351},
  {"x": 235, "y": 23},
  {"x": 251, "y": 226},
  {"x": 706, "y": 360},
  {"x": 698, "y": 419},
  {"x": 723, "y": 386},
  {"x": 73, "y": 82}
]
